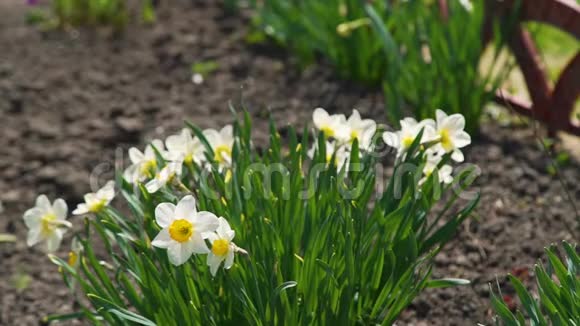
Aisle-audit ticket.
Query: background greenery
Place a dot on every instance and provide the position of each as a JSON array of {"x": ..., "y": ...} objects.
[{"x": 558, "y": 295}]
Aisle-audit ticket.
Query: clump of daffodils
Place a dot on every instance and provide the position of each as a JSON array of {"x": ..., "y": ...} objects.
[
  {"x": 341, "y": 132},
  {"x": 312, "y": 251},
  {"x": 185, "y": 230},
  {"x": 179, "y": 151},
  {"x": 444, "y": 137},
  {"x": 439, "y": 138}
]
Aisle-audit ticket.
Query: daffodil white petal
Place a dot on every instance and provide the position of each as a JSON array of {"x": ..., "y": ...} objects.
[
  {"x": 367, "y": 139},
  {"x": 81, "y": 209},
  {"x": 212, "y": 136},
  {"x": 214, "y": 262},
  {"x": 107, "y": 192},
  {"x": 32, "y": 217},
  {"x": 224, "y": 230},
  {"x": 391, "y": 139},
  {"x": 149, "y": 153},
  {"x": 206, "y": 222},
  {"x": 43, "y": 203},
  {"x": 186, "y": 208},
  {"x": 319, "y": 116},
  {"x": 64, "y": 223},
  {"x": 153, "y": 186},
  {"x": 33, "y": 237},
  {"x": 361, "y": 129},
  {"x": 227, "y": 131},
  {"x": 53, "y": 241},
  {"x": 407, "y": 123},
  {"x": 221, "y": 143},
  {"x": 462, "y": 139},
  {"x": 457, "y": 156},
  {"x": 454, "y": 122},
  {"x": 428, "y": 127},
  {"x": 229, "y": 259},
  {"x": 162, "y": 240},
  {"x": 164, "y": 214},
  {"x": 332, "y": 125},
  {"x": 60, "y": 209},
  {"x": 466, "y": 4},
  {"x": 135, "y": 155},
  {"x": 174, "y": 143},
  {"x": 198, "y": 245},
  {"x": 445, "y": 174},
  {"x": 212, "y": 236},
  {"x": 158, "y": 144},
  {"x": 440, "y": 115},
  {"x": 131, "y": 173},
  {"x": 230, "y": 235},
  {"x": 179, "y": 253},
  {"x": 368, "y": 125},
  {"x": 355, "y": 116},
  {"x": 90, "y": 198}
]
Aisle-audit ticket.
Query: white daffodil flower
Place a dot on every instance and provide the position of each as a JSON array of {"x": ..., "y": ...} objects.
[
  {"x": 466, "y": 4},
  {"x": 451, "y": 135},
  {"x": 410, "y": 129},
  {"x": 331, "y": 125},
  {"x": 222, "y": 247},
  {"x": 444, "y": 172},
  {"x": 167, "y": 174},
  {"x": 342, "y": 155},
  {"x": 144, "y": 164},
  {"x": 361, "y": 129},
  {"x": 183, "y": 229},
  {"x": 47, "y": 223},
  {"x": 95, "y": 202},
  {"x": 185, "y": 145},
  {"x": 222, "y": 143}
]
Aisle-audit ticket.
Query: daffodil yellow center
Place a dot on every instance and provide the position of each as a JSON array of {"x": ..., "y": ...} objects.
[
  {"x": 354, "y": 135},
  {"x": 72, "y": 258},
  {"x": 328, "y": 158},
  {"x": 180, "y": 230},
  {"x": 97, "y": 206},
  {"x": 327, "y": 130},
  {"x": 407, "y": 141},
  {"x": 148, "y": 168},
  {"x": 188, "y": 159},
  {"x": 220, "y": 247},
  {"x": 222, "y": 152},
  {"x": 446, "y": 141},
  {"x": 47, "y": 225}
]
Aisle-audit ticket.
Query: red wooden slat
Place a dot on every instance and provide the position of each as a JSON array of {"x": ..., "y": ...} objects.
[
  {"x": 564, "y": 15},
  {"x": 536, "y": 81},
  {"x": 553, "y": 107},
  {"x": 565, "y": 94}
]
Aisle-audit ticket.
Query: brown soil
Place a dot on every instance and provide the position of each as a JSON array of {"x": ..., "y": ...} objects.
[{"x": 69, "y": 100}]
